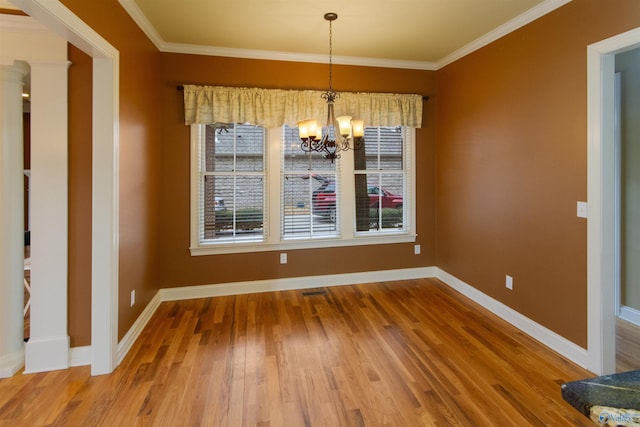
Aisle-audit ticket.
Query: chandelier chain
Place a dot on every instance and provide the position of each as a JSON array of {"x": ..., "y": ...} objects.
[{"x": 331, "y": 56}]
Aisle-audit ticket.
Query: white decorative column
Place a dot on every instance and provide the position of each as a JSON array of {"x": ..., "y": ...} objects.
[
  {"x": 11, "y": 219},
  {"x": 48, "y": 345}
]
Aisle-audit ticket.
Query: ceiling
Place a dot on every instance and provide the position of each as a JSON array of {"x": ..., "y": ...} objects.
[
  {"x": 421, "y": 34},
  {"x": 414, "y": 34}
]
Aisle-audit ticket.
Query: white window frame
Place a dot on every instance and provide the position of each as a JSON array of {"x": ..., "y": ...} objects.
[{"x": 347, "y": 235}]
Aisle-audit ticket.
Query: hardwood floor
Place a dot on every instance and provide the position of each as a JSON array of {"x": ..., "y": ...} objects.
[
  {"x": 627, "y": 346},
  {"x": 404, "y": 353}
]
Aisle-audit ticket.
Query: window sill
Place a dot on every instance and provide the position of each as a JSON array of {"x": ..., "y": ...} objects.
[{"x": 234, "y": 248}]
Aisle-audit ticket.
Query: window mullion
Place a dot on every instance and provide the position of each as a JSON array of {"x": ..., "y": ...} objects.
[
  {"x": 347, "y": 212},
  {"x": 273, "y": 175},
  {"x": 409, "y": 137}
]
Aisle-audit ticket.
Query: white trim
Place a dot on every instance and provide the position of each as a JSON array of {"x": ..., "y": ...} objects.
[
  {"x": 272, "y": 239},
  {"x": 104, "y": 243},
  {"x": 131, "y": 7},
  {"x": 11, "y": 363},
  {"x": 501, "y": 31},
  {"x": 630, "y": 314},
  {"x": 545, "y": 336},
  {"x": 538, "y": 332},
  {"x": 104, "y": 314},
  {"x": 80, "y": 356},
  {"x": 520, "y": 21},
  {"x": 234, "y": 248},
  {"x": 59, "y": 19},
  {"x": 293, "y": 283},
  {"x": 46, "y": 354},
  {"x": 617, "y": 191},
  {"x": 48, "y": 346},
  {"x": 295, "y": 56},
  {"x": 600, "y": 195},
  {"x": 195, "y": 187},
  {"x": 138, "y": 326}
]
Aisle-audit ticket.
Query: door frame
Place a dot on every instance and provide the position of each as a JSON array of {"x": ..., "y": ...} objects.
[
  {"x": 105, "y": 140},
  {"x": 601, "y": 238}
]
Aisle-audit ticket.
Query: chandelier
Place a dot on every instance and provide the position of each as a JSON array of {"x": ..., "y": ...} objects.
[{"x": 342, "y": 129}]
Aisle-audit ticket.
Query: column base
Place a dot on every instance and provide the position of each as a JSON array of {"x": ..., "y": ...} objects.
[
  {"x": 11, "y": 363},
  {"x": 46, "y": 354}
]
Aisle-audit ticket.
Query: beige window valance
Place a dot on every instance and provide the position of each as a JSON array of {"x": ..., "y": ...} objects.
[{"x": 276, "y": 107}]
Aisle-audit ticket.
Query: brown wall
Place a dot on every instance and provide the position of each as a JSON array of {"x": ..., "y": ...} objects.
[
  {"x": 179, "y": 268},
  {"x": 80, "y": 100},
  {"x": 512, "y": 163},
  {"x": 138, "y": 169}
]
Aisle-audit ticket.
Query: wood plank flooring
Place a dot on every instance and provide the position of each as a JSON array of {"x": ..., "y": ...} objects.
[
  {"x": 627, "y": 346},
  {"x": 405, "y": 353}
]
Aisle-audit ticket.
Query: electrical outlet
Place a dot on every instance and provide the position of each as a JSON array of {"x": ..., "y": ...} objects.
[
  {"x": 133, "y": 297},
  {"x": 283, "y": 258},
  {"x": 416, "y": 249},
  {"x": 582, "y": 210},
  {"x": 509, "y": 282}
]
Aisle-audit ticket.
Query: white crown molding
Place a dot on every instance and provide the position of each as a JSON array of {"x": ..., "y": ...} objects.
[
  {"x": 520, "y": 21},
  {"x": 145, "y": 25},
  {"x": 131, "y": 7},
  {"x": 293, "y": 57},
  {"x": 501, "y": 31}
]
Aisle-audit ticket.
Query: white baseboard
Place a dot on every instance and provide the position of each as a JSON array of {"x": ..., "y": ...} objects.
[
  {"x": 559, "y": 344},
  {"x": 11, "y": 363},
  {"x": 293, "y": 283},
  {"x": 134, "y": 332},
  {"x": 545, "y": 336},
  {"x": 46, "y": 354},
  {"x": 80, "y": 356},
  {"x": 630, "y": 314}
]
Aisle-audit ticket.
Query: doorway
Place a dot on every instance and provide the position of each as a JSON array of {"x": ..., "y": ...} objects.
[
  {"x": 104, "y": 281},
  {"x": 627, "y": 176},
  {"x": 601, "y": 235}
]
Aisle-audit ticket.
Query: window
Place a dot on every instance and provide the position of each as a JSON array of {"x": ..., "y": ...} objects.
[
  {"x": 254, "y": 189},
  {"x": 231, "y": 183},
  {"x": 309, "y": 206},
  {"x": 379, "y": 181}
]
